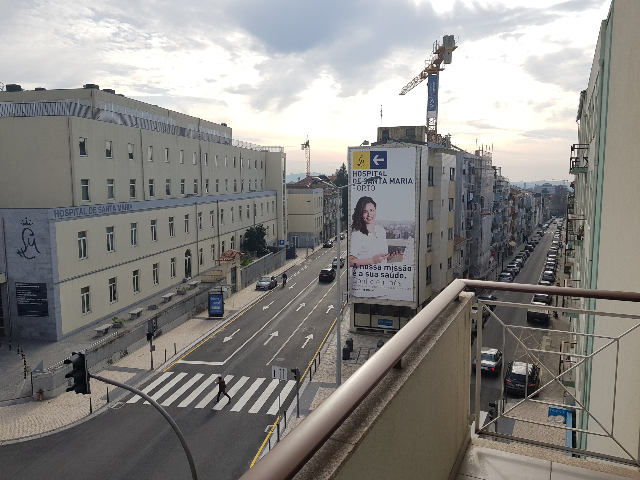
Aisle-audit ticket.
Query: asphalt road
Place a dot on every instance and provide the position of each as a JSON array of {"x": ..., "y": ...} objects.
[{"x": 284, "y": 328}]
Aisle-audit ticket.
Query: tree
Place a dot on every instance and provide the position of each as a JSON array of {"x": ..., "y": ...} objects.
[
  {"x": 342, "y": 179},
  {"x": 254, "y": 240}
]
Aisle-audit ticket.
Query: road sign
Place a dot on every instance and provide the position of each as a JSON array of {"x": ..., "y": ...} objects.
[
  {"x": 216, "y": 305},
  {"x": 278, "y": 373},
  {"x": 281, "y": 242}
]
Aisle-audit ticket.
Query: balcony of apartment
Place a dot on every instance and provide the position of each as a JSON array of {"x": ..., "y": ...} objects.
[
  {"x": 415, "y": 410},
  {"x": 579, "y": 160}
]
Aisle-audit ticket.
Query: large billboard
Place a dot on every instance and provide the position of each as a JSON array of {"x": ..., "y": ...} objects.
[{"x": 382, "y": 223}]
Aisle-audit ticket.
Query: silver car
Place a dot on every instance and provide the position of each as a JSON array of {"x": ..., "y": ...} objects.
[
  {"x": 490, "y": 360},
  {"x": 267, "y": 283}
]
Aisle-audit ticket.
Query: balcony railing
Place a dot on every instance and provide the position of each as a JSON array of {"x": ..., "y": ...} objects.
[{"x": 425, "y": 400}]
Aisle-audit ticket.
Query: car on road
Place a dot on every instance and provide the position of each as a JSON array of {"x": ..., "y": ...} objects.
[
  {"x": 519, "y": 261},
  {"x": 327, "y": 274},
  {"x": 511, "y": 270},
  {"x": 530, "y": 247},
  {"x": 522, "y": 378},
  {"x": 546, "y": 283},
  {"x": 328, "y": 244},
  {"x": 505, "y": 277},
  {"x": 335, "y": 262},
  {"x": 490, "y": 360},
  {"x": 550, "y": 277},
  {"x": 515, "y": 266},
  {"x": 474, "y": 315},
  {"x": 491, "y": 298},
  {"x": 342, "y": 236},
  {"x": 541, "y": 299},
  {"x": 267, "y": 283}
]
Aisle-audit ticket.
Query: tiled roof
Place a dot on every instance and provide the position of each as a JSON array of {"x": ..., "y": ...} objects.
[{"x": 229, "y": 255}]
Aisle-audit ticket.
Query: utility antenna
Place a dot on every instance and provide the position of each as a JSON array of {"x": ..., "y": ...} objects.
[
  {"x": 380, "y": 114},
  {"x": 307, "y": 154}
]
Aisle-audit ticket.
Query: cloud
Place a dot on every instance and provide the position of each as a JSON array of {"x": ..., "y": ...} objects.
[
  {"x": 546, "y": 133},
  {"x": 567, "y": 68},
  {"x": 540, "y": 106}
]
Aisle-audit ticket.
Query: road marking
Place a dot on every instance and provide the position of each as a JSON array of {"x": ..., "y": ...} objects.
[
  {"x": 182, "y": 389},
  {"x": 301, "y": 305},
  {"x": 281, "y": 397},
  {"x": 206, "y": 400},
  {"x": 224, "y": 400},
  {"x": 199, "y": 362},
  {"x": 187, "y": 401},
  {"x": 267, "y": 306},
  {"x": 167, "y": 387},
  {"x": 274, "y": 334},
  {"x": 308, "y": 337},
  {"x": 248, "y": 394},
  {"x": 330, "y": 307},
  {"x": 151, "y": 386},
  {"x": 264, "y": 397},
  {"x": 230, "y": 337},
  {"x": 292, "y": 286}
]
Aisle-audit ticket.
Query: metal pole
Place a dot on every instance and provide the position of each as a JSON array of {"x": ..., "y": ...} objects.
[
  {"x": 297, "y": 393},
  {"x": 192, "y": 465},
  {"x": 338, "y": 311},
  {"x": 151, "y": 351}
]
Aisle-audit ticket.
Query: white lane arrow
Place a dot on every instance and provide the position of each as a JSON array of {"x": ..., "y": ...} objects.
[
  {"x": 292, "y": 286},
  {"x": 329, "y": 308},
  {"x": 308, "y": 337},
  {"x": 266, "y": 306},
  {"x": 301, "y": 305},
  {"x": 226, "y": 339},
  {"x": 274, "y": 334}
]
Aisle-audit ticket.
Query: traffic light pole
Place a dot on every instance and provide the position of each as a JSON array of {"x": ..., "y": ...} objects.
[{"x": 192, "y": 465}]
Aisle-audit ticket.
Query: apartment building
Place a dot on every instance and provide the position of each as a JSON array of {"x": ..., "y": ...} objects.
[{"x": 106, "y": 201}]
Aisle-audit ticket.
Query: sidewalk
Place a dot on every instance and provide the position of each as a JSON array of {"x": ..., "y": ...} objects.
[{"x": 28, "y": 417}]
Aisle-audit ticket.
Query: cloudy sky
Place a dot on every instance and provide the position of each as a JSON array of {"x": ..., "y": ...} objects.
[{"x": 279, "y": 70}]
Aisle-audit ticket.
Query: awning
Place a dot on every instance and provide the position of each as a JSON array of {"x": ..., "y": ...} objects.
[{"x": 512, "y": 243}]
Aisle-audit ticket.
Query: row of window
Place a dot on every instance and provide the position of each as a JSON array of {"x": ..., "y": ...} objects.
[
  {"x": 428, "y": 270},
  {"x": 430, "y": 207},
  {"x": 86, "y": 194},
  {"x": 452, "y": 174},
  {"x": 194, "y": 159}
]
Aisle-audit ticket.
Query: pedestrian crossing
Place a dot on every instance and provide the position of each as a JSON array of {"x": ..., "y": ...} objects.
[{"x": 199, "y": 391}]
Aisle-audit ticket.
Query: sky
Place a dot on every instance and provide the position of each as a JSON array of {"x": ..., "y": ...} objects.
[{"x": 278, "y": 71}]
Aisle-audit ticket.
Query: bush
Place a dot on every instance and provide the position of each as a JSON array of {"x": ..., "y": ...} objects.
[{"x": 246, "y": 260}]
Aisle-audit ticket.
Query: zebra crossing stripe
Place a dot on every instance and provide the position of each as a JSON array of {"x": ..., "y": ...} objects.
[
  {"x": 282, "y": 397},
  {"x": 167, "y": 387},
  {"x": 187, "y": 401},
  {"x": 206, "y": 400},
  {"x": 182, "y": 389},
  {"x": 224, "y": 400},
  {"x": 151, "y": 386},
  {"x": 247, "y": 395},
  {"x": 264, "y": 397}
]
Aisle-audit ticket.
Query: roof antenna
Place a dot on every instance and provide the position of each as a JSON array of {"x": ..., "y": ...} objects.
[{"x": 380, "y": 114}]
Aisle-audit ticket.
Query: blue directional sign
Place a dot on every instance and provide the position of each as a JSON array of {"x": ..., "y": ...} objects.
[
  {"x": 378, "y": 160},
  {"x": 281, "y": 242},
  {"x": 216, "y": 305},
  {"x": 385, "y": 323}
]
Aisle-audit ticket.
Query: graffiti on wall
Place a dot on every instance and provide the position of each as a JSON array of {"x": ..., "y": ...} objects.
[{"x": 29, "y": 247}]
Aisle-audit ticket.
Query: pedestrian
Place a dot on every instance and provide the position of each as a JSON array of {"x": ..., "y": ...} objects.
[{"x": 222, "y": 389}]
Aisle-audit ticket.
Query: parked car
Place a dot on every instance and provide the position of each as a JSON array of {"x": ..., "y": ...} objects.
[
  {"x": 530, "y": 247},
  {"x": 328, "y": 244},
  {"x": 327, "y": 274},
  {"x": 515, "y": 266},
  {"x": 335, "y": 262},
  {"x": 541, "y": 299},
  {"x": 491, "y": 298},
  {"x": 522, "y": 378},
  {"x": 505, "y": 277},
  {"x": 511, "y": 270},
  {"x": 490, "y": 360},
  {"x": 551, "y": 266},
  {"x": 519, "y": 261},
  {"x": 267, "y": 283},
  {"x": 546, "y": 283},
  {"x": 550, "y": 277},
  {"x": 342, "y": 236}
]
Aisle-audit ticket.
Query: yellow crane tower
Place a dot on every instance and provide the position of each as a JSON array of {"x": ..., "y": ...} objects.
[
  {"x": 441, "y": 54},
  {"x": 307, "y": 154}
]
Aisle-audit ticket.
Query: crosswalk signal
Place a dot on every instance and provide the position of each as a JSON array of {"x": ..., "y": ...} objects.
[{"x": 79, "y": 373}]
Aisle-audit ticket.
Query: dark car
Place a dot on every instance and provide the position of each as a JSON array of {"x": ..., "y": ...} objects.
[
  {"x": 327, "y": 274},
  {"x": 335, "y": 262},
  {"x": 267, "y": 283},
  {"x": 530, "y": 247},
  {"x": 541, "y": 299},
  {"x": 328, "y": 244},
  {"x": 522, "y": 378},
  {"x": 515, "y": 266},
  {"x": 511, "y": 270},
  {"x": 490, "y": 298},
  {"x": 474, "y": 315},
  {"x": 490, "y": 360},
  {"x": 342, "y": 236},
  {"x": 550, "y": 266},
  {"x": 550, "y": 277}
]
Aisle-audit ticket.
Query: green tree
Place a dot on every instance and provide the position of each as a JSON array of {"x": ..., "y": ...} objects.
[
  {"x": 342, "y": 179},
  {"x": 254, "y": 240}
]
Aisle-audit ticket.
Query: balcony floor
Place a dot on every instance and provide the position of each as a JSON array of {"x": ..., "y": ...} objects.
[{"x": 482, "y": 462}]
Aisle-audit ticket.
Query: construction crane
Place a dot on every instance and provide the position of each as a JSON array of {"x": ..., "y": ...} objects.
[
  {"x": 441, "y": 54},
  {"x": 307, "y": 154}
]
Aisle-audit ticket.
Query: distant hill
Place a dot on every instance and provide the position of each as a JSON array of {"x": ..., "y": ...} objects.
[
  {"x": 538, "y": 182},
  {"x": 294, "y": 177}
]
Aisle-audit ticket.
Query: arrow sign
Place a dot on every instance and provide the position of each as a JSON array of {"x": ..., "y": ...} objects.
[
  {"x": 301, "y": 305},
  {"x": 376, "y": 160},
  {"x": 274, "y": 334},
  {"x": 266, "y": 306},
  {"x": 226, "y": 339},
  {"x": 308, "y": 337},
  {"x": 292, "y": 286},
  {"x": 329, "y": 308}
]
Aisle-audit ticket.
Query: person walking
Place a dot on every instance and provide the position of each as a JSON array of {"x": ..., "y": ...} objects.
[
  {"x": 284, "y": 279},
  {"x": 222, "y": 388}
]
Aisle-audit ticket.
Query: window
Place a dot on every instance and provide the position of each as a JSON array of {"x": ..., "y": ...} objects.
[
  {"x": 449, "y": 263},
  {"x": 429, "y": 241},
  {"x": 206, "y": 159},
  {"x": 111, "y": 194},
  {"x": 199, "y": 220},
  {"x": 84, "y": 185},
  {"x": 225, "y": 160},
  {"x": 255, "y": 187},
  {"x": 82, "y": 245},
  {"x": 255, "y": 206},
  {"x": 450, "y": 234},
  {"x": 195, "y": 186},
  {"x": 247, "y": 212},
  {"x": 215, "y": 159},
  {"x": 235, "y": 185},
  {"x": 233, "y": 243},
  {"x": 109, "y": 151},
  {"x": 226, "y": 185},
  {"x": 217, "y": 185},
  {"x": 273, "y": 205},
  {"x": 154, "y": 230},
  {"x": 182, "y": 186},
  {"x": 260, "y": 164},
  {"x": 242, "y": 185},
  {"x": 166, "y": 155},
  {"x": 113, "y": 290},
  {"x": 150, "y": 153},
  {"x": 134, "y": 234},
  {"x": 234, "y": 166},
  {"x": 130, "y": 150},
  {"x": 186, "y": 224},
  {"x": 152, "y": 189},
  {"x": 83, "y": 147},
  {"x": 222, "y": 216},
  {"x": 261, "y": 185},
  {"x": 156, "y": 274},
  {"x": 231, "y": 214},
  {"x": 86, "y": 302},
  {"x": 213, "y": 252},
  {"x": 431, "y": 176},
  {"x": 200, "y": 257},
  {"x": 452, "y": 174},
  {"x": 193, "y": 158},
  {"x": 136, "y": 281},
  {"x": 256, "y": 164},
  {"x": 110, "y": 240},
  {"x": 132, "y": 188},
  {"x": 181, "y": 156},
  {"x": 167, "y": 187},
  {"x": 451, "y": 204},
  {"x": 173, "y": 267},
  {"x": 211, "y": 217},
  {"x": 430, "y": 210},
  {"x": 428, "y": 275},
  {"x": 268, "y": 210},
  {"x": 206, "y": 186},
  {"x": 240, "y": 212},
  {"x": 241, "y": 163},
  {"x": 223, "y": 246},
  {"x": 171, "y": 230}
]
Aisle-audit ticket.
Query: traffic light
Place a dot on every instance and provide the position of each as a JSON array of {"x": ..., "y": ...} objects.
[
  {"x": 79, "y": 373},
  {"x": 295, "y": 372}
]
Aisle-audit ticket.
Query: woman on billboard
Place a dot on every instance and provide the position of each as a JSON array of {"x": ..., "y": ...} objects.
[{"x": 368, "y": 240}]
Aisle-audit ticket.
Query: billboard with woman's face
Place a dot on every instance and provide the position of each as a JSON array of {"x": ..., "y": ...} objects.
[{"x": 382, "y": 223}]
